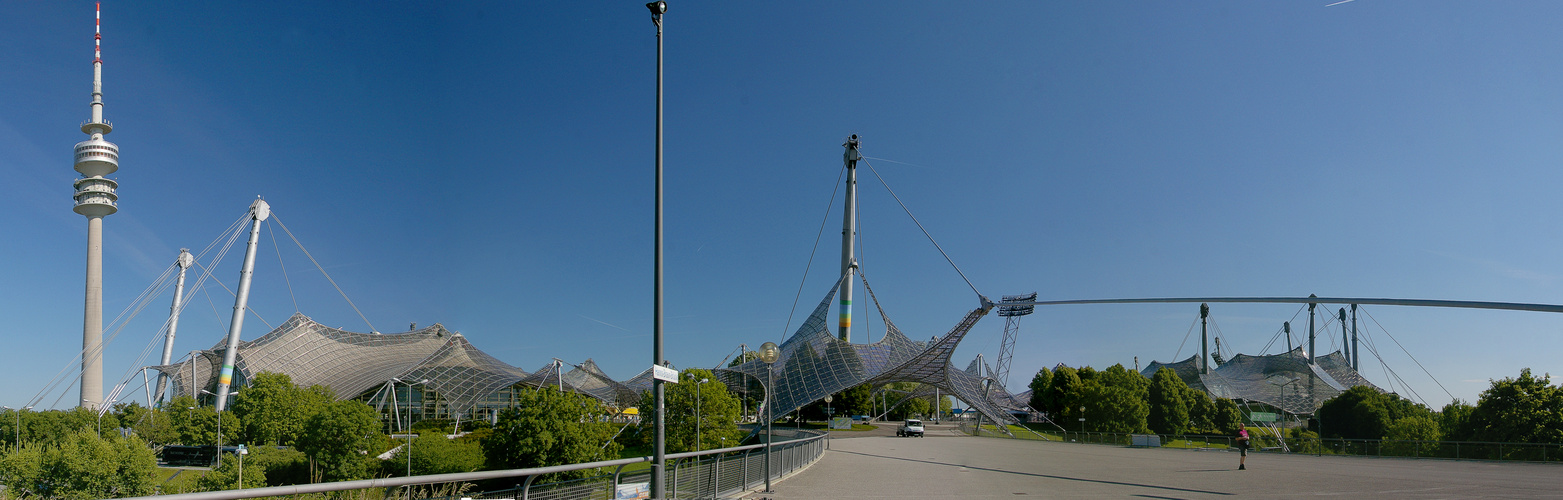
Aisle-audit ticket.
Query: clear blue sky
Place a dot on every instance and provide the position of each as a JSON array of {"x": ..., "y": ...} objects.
[{"x": 488, "y": 166}]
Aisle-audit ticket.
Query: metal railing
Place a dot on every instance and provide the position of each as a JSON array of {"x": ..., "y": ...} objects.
[
  {"x": 705, "y": 474},
  {"x": 1460, "y": 450}
]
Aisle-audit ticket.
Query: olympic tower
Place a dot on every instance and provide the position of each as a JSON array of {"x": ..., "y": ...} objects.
[{"x": 95, "y": 198}]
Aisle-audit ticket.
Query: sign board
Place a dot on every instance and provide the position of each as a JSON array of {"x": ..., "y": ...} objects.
[
  {"x": 664, "y": 373},
  {"x": 841, "y": 423},
  {"x": 1261, "y": 416},
  {"x": 632, "y": 491}
]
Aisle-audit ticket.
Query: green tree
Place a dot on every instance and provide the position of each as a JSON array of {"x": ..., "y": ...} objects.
[
  {"x": 1454, "y": 420},
  {"x": 1113, "y": 408},
  {"x": 1169, "y": 411},
  {"x": 1040, "y": 385},
  {"x": 1414, "y": 435},
  {"x": 274, "y": 409},
  {"x": 856, "y": 400},
  {"x": 226, "y": 475},
  {"x": 1066, "y": 394},
  {"x": 283, "y": 466},
  {"x": 1226, "y": 417},
  {"x": 718, "y": 413},
  {"x": 549, "y": 427},
  {"x": 21, "y": 470},
  {"x": 1202, "y": 412},
  {"x": 1358, "y": 413},
  {"x": 338, "y": 437},
  {"x": 433, "y": 454},
  {"x": 194, "y": 425},
  {"x": 84, "y": 465},
  {"x": 1519, "y": 410},
  {"x": 1365, "y": 413}
]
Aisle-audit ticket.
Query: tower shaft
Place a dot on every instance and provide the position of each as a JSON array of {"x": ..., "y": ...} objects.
[{"x": 92, "y": 320}]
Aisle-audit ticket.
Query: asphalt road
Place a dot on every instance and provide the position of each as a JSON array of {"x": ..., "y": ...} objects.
[{"x": 874, "y": 464}]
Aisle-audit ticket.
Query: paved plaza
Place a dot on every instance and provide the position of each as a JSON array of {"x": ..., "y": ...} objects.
[{"x": 947, "y": 465}]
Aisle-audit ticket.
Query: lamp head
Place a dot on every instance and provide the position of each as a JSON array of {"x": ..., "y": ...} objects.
[
  {"x": 658, "y": 8},
  {"x": 769, "y": 352}
]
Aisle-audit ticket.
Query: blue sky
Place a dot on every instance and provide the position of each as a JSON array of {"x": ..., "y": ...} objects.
[{"x": 488, "y": 166}]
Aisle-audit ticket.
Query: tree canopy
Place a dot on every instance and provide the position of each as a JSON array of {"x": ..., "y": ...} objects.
[
  {"x": 338, "y": 437},
  {"x": 549, "y": 427}
]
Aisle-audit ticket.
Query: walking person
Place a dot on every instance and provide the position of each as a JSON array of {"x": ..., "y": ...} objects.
[{"x": 1242, "y": 447}]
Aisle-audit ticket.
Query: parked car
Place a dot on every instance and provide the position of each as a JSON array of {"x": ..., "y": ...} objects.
[{"x": 910, "y": 428}]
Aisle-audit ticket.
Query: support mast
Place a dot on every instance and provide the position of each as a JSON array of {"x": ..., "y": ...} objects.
[
  {"x": 1356, "y": 356},
  {"x": 1204, "y": 339},
  {"x": 1343, "y": 347},
  {"x": 96, "y": 199},
  {"x": 184, "y": 262},
  {"x": 848, "y": 238},
  {"x": 259, "y": 211}
]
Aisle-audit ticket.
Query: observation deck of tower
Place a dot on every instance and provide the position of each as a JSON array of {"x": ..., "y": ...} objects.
[{"x": 95, "y": 198}]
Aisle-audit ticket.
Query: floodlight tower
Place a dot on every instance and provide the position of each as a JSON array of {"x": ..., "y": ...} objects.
[
  {"x": 1011, "y": 315},
  {"x": 848, "y": 235},
  {"x": 96, "y": 199}
]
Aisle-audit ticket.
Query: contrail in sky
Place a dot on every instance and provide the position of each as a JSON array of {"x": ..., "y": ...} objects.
[
  {"x": 1340, "y": 2},
  {"x": 603, "y": 322}
]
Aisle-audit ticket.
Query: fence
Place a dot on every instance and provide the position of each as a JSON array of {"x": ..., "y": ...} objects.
[
  {"x": 694, "y": 475},
  {"x": 1461, "y": 450}
]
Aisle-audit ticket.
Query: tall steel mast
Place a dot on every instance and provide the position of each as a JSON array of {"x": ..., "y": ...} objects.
[
  {"x": 184, "y": 262},
  {"x": 259, "y": 211},
  {"x": 848, "y": 238}
]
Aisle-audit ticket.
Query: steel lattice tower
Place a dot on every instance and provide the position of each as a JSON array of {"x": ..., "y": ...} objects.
[{"x": 1011, "y": 315}]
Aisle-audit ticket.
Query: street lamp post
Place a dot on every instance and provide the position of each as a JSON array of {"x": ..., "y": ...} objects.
[
  {"x": 829, "y": 412},
  {"x": 1082, "y": 421},
  {"x": 219, "y": 423},
  {"x": 768, "y": 353},
  {"x": 18, "y": 412},
  {"x": 658, "y": 394},
  {"x": 698, "y": 442},
  {"x": 405, "y": 431}
]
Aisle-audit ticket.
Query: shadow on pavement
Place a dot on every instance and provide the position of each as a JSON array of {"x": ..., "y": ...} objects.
[{"x": 1063, "y": 478}]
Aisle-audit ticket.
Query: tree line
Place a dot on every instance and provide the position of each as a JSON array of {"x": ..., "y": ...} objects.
[{"x": 1119, "y": 400}]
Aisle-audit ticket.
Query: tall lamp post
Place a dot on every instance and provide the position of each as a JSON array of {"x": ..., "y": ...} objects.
[
  {"x": 409, "y": 418},
  {"x": 698, "y": 442},
  {"x": 658, "y": 395},
  {"x": 768, "y": 353},
  {"x": 18, "y": 412},
  {"x": 219, "y": 421}
]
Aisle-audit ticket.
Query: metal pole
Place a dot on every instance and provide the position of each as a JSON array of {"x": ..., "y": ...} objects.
[
  {"x": 1343, "y": 346},
  {"x": 184, "y": 261},
  {"x": 697, "y": 416},
  {"x": 848, "y": 234},
  {"x": 659, "y": 458},
  {"x": 259, "y": 211},
  {"x": 1204, "y": 342},
  {"x": 1356, "y": 356},
  {"x": 409, "y": 435},
  {"x": 770, "y": 415}
]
